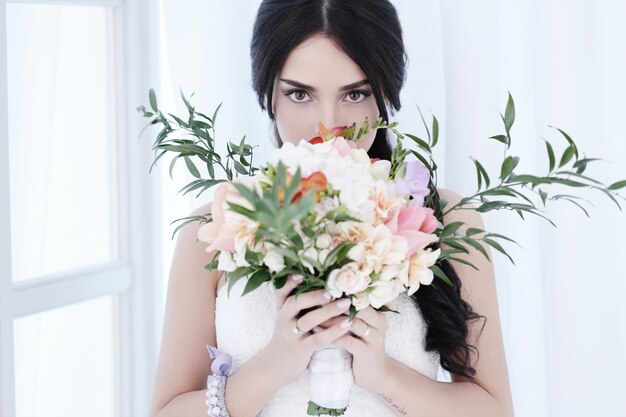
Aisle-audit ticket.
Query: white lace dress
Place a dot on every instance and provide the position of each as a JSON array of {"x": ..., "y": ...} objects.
[{"x": 245, "y": 324}]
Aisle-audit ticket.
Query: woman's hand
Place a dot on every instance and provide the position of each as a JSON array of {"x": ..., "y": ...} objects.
[
  {"x": 370, "y": 362},
  {"x": 291, "y": 352}
]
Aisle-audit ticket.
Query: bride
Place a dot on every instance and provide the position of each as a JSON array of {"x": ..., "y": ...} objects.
[{"x": 334, "y": 61}]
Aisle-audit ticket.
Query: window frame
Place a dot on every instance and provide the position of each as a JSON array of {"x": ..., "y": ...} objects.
[{"x": 133, "y": 280}]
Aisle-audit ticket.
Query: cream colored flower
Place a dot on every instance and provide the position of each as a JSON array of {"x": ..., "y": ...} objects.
[
  {"x": 380, "y": 169},
  {"x": 419, "y": 269},
  {"x": 360, "y": 300},
  {"x": 225, "y": 261},
  {"x": 274, "y": 261},
  {"x": 384, "y": 292},
  {"x": 385, "y": 201}
]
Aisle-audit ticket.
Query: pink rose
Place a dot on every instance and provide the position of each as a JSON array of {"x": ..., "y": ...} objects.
[
  {"x": 216, "y": 233},
  {"x": 416, "y": 224}
]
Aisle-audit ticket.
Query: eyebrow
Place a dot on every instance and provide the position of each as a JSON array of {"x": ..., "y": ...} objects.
[{"x": 308, "y": 87}]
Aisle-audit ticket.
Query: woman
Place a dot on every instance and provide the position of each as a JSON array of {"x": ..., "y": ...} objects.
[{"x": 334, "y": 61}]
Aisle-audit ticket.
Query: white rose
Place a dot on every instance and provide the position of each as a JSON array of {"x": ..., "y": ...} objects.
[
  {"x": 380, "y": 169},
  {"x": 419, "y": 272},
  {"x": 347, "y": 279},
  {"x": 384, "y": 292},
  {"x": 274, "y": 261},
  {"x": 225, "y": 261},
  {"x": 323, "y": 241}
]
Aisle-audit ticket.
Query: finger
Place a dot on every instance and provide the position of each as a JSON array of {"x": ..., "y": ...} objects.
[
  {"x": 352, "y": 344},
  {"x": 315, "y": 317},
  {"x": 358, "y": 328},
  {"x": 372, "y": 317},
  {"x": 323, "y": 337},
  {"x": 294, "y": 303},
  {"x": 282, "y": 293}
]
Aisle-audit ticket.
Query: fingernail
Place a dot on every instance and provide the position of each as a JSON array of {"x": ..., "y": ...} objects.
[
  {"x": 327, "y": 295},
  {"x": 297, "y": 277},
  {"x": 318, "y": 329},
  {"x": 346, "y": 323},
  {"x": 344, "y": 303}
]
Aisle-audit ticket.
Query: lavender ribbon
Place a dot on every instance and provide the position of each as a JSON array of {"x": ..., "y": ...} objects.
[{"x": 222, "y": 364}]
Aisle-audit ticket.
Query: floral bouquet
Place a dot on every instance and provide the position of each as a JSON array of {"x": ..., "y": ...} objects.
[{"x": 359, "y": 227}]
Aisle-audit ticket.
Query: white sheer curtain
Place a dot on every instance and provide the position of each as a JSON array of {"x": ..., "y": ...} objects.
[{"x": 564, "y": 62}]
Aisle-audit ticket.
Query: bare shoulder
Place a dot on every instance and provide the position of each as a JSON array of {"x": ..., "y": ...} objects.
[
  {"x": 478, "y": 288},
  {"x": 470, "y": 217},
  {"x": 189, "y": 319}
]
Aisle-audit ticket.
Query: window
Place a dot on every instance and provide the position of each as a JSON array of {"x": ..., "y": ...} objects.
[{"x": 78, "y": 281}]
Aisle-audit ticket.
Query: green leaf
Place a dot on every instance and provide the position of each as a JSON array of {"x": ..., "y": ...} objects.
[
  {"x": 569, "y": 140},
  {"x": 578, "y": 204},
  {"x": 435, "y": 131},
  {"x": 529, "y": 178},
  {"x": 454, "y": 244},
  {"x": 608, "y": 194},
  {"x": 480, "y": 169},
  {"x": 550, "y": 155},
  {"x": 509, "y": 114},
  {"x": 236, "y": 275},
  {"x": 472, "y": 231},
  {"x": 491, "y": 205},
  {"x": 463, "y": 261},
  {"x": 420, "y": 142},
  {"x": 576, "y": 174},
  {"x": 317, "y": 410},
  {"x": 476, "y": 245},
  {"x": 212, "y": 265},
  {"x": 192, "y": 168},
  {"x": 439, "y": 273},
  {"x": 617, "y": 185},
  {"x": 508, "y": 165},
  {"x": 497, "y": 246},
  {"x": 500, "y": 138},
  {"x": 153, "y": 100},
  {"x": 240, "y": 168},
  {"x": 567, "y": 155},
  {"x": 255, "y": 280},
  {"x": 186, "y": 101},
  {"x": 450, "y": 228}
]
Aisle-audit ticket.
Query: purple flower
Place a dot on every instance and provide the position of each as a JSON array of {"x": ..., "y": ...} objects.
[{"x": 415, "y": 181}]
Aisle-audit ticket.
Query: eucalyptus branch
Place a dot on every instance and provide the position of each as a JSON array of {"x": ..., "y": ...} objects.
[
  {"x": 198, "y": 142},
  {"x": 509, "y": 180}
]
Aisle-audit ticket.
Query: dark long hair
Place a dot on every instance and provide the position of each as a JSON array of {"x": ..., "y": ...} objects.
[{"x": 368, "y": 31}]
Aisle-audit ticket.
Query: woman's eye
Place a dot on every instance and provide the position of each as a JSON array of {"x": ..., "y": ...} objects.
[
  {"x": 297, "y": 95},
  {"x": 357, "y": 96}
]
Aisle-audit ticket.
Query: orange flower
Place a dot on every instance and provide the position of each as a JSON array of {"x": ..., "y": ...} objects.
[
  {"x": 326, "y": 135},
  {"x": 316, "y": 181}
]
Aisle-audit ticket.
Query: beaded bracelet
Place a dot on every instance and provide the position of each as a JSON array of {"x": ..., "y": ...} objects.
[{"x": 216, "y": 383}]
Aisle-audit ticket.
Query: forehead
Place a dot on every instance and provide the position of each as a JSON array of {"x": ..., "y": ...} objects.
[{"x": 319, "y": 63}]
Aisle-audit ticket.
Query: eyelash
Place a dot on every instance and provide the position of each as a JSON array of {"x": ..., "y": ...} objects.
[{"x": 365, "y": 94}]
